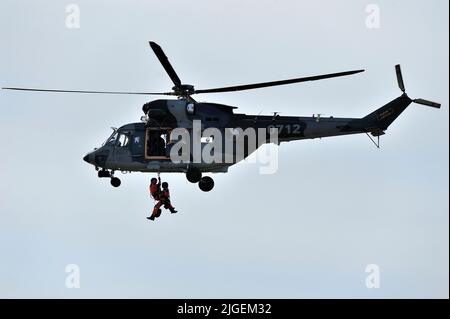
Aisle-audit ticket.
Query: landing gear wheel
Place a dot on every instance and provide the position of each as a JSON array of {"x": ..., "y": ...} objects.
[
  {"x": 115, "y": 182},
  {"x": 103, "y": 173},
  {"x": 206, "y": 184},
  {"x": 193, "y": 175}
]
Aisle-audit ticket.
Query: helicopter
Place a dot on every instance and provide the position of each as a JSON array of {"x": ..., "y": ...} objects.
[{"x": 145, "y": 146}]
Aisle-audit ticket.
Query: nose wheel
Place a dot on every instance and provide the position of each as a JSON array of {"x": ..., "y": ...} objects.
[
  {"x": 103, "y": 173},
  {"x": 115, "y": 181}
]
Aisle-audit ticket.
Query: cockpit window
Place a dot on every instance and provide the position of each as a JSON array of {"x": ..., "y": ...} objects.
[
  {"x": 123, "y": 140},
  {"x": 111, "y": 139}
]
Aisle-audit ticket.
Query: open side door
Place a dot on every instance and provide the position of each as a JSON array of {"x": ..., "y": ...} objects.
[{"x": 156, "y": 142}]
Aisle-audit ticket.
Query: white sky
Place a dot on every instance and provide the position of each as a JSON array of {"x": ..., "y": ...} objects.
[{"x": 334, "y": 206}]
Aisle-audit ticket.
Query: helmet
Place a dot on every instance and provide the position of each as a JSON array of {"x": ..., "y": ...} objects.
[
  {"x": 164, "y": 185},
  {"x": 153, "y": 180}
]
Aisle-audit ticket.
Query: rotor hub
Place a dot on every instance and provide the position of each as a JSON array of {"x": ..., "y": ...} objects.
[{"x": 184, "y": 90}]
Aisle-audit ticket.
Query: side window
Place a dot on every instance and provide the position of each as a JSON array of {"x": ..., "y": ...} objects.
[
  {"x": 190, "y": 109},
  {"x": 123, "y": 140}
]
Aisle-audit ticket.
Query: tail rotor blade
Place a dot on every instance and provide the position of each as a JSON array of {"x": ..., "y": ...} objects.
[
  {"x": 401, "y": 84},
  {"x": 428, "y": 103}
]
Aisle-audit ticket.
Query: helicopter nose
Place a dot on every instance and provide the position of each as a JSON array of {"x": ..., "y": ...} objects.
[{"x": 86, "y": 158}]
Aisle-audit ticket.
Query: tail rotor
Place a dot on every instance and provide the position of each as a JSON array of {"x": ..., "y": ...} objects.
[{"x": 401, "y": 85}]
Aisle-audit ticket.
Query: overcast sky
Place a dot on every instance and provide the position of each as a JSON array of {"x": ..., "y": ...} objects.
[{"x": 335, "y": 205}]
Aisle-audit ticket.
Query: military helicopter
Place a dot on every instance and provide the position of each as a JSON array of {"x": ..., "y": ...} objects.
[{"x": 143, "y": 146}]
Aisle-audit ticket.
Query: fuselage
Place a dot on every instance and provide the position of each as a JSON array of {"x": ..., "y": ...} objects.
[{"x": 132, "y": 147}]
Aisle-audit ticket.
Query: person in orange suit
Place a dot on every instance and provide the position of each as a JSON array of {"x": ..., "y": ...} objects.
[
  {"x": 155, "y": 192},
  {"x": 165, "y": 198},
  {"x": 162, "y": 196}
]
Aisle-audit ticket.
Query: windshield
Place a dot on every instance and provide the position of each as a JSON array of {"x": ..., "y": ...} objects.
[{"x": 111, "y": 139}]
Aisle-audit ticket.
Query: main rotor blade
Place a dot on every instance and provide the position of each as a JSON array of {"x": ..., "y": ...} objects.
[
  {"x": 276, "y": 83},
  {"x": 88, "y": 92},
  {"x": 165, "y": 63}
]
